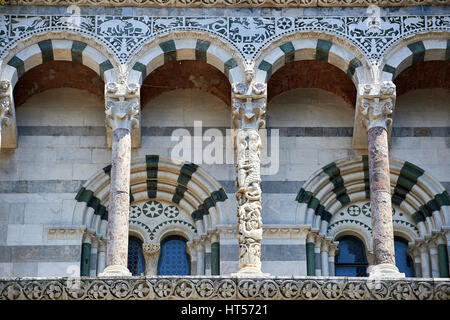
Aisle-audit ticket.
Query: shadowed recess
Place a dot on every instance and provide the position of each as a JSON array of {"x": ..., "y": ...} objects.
[
  {"x": 312, "y": 74},
  {"x": 186, "y": 74},
  {"x": 57, "y": 74},
  {"x": 424, "y": 75}
]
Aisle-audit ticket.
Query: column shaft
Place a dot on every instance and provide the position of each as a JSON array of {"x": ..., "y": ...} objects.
[
  {"x": 380, "y": 197},
  {"x": 119, "y": 201}
]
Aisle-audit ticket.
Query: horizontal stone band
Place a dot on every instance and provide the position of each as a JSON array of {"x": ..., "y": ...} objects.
[{"x": 222, "y": 288}]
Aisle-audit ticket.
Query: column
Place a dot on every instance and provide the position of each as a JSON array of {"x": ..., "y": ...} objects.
[
  {"x": 317, "y": 259},
  {"x": 200, "y": 258},
  {"x": 86, "y": 254},
  {"x": 151, "y": 253},
  {"x": 310, "y": 263},
  {"x": 94, "y": 256},
  {"x": 324, "y": 257},
  {"x": 332, "y": 251},
  {"x": 248, "y": 114},
  {"x": 215, "y": 255},
  {"x": 101, "y": 259},
  {"x": 122, "y": 114},
  {"x": 5, "y": 106},
  {"x": 441, "y": 253},
  {"x": 376, "y": 103},
  {"x": 207, "y": 245},
  {"x": 414, "y": 252},
  {"x": 424, "y": 260}
]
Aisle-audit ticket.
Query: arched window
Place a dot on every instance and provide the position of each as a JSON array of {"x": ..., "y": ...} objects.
[
  {"x": 173, "y": 259},
  {"x": 136, "y": 263},
  {"x": 403, "y": 261},
  {"x": 351, "y": 260}
]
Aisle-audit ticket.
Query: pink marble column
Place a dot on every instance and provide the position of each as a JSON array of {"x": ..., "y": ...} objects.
[
  {"x": 376, "y": 105},
  {"x": 122, "y": 114}
]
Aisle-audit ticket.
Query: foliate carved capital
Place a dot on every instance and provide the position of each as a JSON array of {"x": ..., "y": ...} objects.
[
  {"x": 249, "y": 105},
  {"x": 151, "y": 256},
  {"x": 376, "y": 103},
  {"x": 122, "y": 105},
  {"x": 5, "y": 103}
]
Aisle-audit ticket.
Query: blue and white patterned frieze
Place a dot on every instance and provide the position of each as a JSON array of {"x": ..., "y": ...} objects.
[{"x": 124, "y": 35}]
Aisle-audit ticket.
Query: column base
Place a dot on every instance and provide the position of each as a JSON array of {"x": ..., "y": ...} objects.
[
  {"x": 384, "y": 271},
  {"x": 115, "y": 271},
  {"x": 250, "y": 273}
]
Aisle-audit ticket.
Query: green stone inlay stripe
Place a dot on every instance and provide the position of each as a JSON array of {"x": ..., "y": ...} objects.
[
  {"x": 443, "y": 260},
  {"x": 304, "y": 196},
  {"x": 267, "y": 67},
  {"x": 107, "y": 170},
  {"x": 84, "y": 195},
  {"x": 152, "y": 187},
  {"x": 323, "y": 49},
  {"x": 390, "y": 69},
  {"x": 186, "y": 172},
  {"x": 170, "y": 51},
  {"x": 17, "y": 63},
  {"x": 179, "y": 194},
  {"x": 289, "y": 52},
  {"x": 85, "y": 259},
  {"x": 406, "y": 181},
  {"x": 201, "y": 48},
  {"x": 355, "y": 63},
  {"x": 87, "y": 196},
  {"x": 443, "y": 199},
  {"x": 142, "y": 68},
  {"x": 219, "y": 195},
  {"x": 77, "y": 51},
  {"x": 209, "y": 203},
  {"x": 47, "y": 50},
  {"x": 418, "y": 217},
  {"x": 152, "y": 166},
  {"x": 338, "y": 182},
  {"x": 310, "y": 257},
  {"x": 105, "y": 66},
  {"x": 313, "y": 203},
  {"x": 365, "y": 161},
  {"x": 230, "y": 64},
  {"x": 196, "y": 215},
  {"x": 418, "y": 50}
]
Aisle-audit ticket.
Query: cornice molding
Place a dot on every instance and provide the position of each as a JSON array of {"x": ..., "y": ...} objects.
[{"x": 229, "y": 3}]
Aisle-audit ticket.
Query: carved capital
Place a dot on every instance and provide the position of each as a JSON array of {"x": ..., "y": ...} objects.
[
  {"x": 376, "y": 104},
  {"x": 122, "y": 106},
  {"x": 151, "y": 256}
]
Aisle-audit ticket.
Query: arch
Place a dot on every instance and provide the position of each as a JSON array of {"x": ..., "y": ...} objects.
[
  {"x": 177, "y": 46},
  {"x": 152, "y": 177},
  {"x": 312, "y": 46},
  {"x": 21, "y": 60},
  {"x": 340, "y": 183},
  {"x": 424, "y": 47}
]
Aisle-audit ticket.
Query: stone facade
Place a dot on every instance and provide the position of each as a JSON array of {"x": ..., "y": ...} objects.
[{"x": 296, "y": 136}]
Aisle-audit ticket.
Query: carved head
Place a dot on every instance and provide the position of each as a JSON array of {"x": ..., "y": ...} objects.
[{"x": 249, "y": 70}]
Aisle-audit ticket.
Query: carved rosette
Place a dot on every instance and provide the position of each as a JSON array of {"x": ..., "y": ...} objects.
[
  {"x": 377, "y": 103},
  {"x": 122, "y": 105},
  {"x": 151, "y": 255},
  {"x": 248, "y": 112}
]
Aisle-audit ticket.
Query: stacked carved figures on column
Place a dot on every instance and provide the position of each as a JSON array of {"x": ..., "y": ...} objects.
[
  {"x": 248, "y": 112},
  {"x": 5, "y": 106}
]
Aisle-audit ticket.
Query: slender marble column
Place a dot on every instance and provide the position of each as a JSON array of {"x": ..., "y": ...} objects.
[
  {"x": 122, "y": 114},
  {"x": 376, "y": 105},
  {"x": 151, "y": 253},
  {"x": 248, "y": 113}
]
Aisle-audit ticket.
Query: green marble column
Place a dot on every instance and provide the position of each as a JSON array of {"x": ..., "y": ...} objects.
[
  {"x": 85, "y": 259},
  {"x": 443, "y": 261},
  {"x": 215, "y": 258},
  {"x": 310, "y": 259}
]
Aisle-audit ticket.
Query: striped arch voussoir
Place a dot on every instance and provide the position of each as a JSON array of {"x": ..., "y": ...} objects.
[
  {"x": 309, "y": 49},
  {"x": 340, "y": 183},
  {"x": 51, "y": 50},
  {"x": 153, "y": 177},
  {"x": 412, "y": 53},
  {"x": 186, "y": 49}
]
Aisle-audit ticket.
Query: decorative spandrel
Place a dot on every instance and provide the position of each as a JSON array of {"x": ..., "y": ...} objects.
[
  {"x": 125, "y": 35},
  {"x": 154, "y": 216}
]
